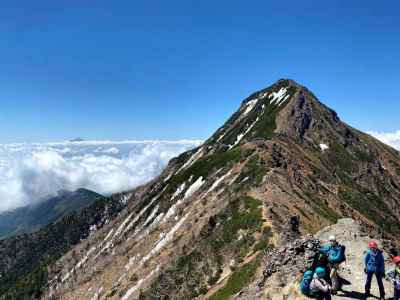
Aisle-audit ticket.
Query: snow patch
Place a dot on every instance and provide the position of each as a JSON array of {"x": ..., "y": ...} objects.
[
  {"x": 249, "y": 106},
  {"x": 240, "y": 136},
  {"x": 218, "y": 181},
  {"x": 194, "y": 187},
  {"x": 130, "y": 225},
  {"x": 138, "y": 284},
  {"x": 245, "y": 179},
  {"x": 221, "y": 137},
  {"x": 324, "y": 147},
  {"x": 133, "y": 260},
  {"x": 151, "y": 216},
  {"x": 169, "y": 177},
  {"x": 192, "y": 159},
  {"x": 233, "y": 179},
  {"x": 157, "y": 220},
  {"x": 178, "y": 191},
  {"x": 164, "y": 239},
  {"x": 122, "y": 226},
  {"x": 97, "y": 294},
  {"x": 125, "y": 198},
  {"x": 171, "y": 211},
  {"x": 85, "y": 258},
  {"x": 279, "y": 97}
]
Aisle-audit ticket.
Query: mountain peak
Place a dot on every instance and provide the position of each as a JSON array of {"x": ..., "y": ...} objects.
[
  {"x": 217, "y": 212},
  {"x": 285, "y": 107}
]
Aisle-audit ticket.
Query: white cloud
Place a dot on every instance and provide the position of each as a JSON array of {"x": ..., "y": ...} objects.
[
  {"x": 29, "y": 172},
  {"x": 390, "y": 138}
]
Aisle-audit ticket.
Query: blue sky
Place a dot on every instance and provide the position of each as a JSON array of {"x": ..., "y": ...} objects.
[{"x": 178, "y": 69}]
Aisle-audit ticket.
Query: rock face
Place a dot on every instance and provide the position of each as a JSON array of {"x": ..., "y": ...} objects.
[
  {"x": 202, "y": 229},
  {"x": 285, "y": 266}
]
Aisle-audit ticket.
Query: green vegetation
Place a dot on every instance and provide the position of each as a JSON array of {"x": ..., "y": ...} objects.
[
  {"x": 322, "y": 207},
  {"x": 364, "y": 156},
  {"x": 204, "y": 166},
  {"x": 342, "y": 158},
  {"x": 243, "y": 214},
  {"x": 254, "y": 170},
  {"x": 264, "y": 240},
  {"x": 24, "y": 259},
  {"x": 234, "y": 237},
  {"x": 325, "y": 211},
  {"x": 239, "y": 279},
  {"x": 371, "y": 206},
  {"x": 266, "y": 126},
  {"x": 302, "y": 212}
]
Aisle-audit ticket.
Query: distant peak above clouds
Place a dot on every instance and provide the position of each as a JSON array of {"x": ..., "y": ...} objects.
[
  {"x": 390, "y": 138},
  {"x": 77, "y": 140},
  {"x": 32, "y": 171}
]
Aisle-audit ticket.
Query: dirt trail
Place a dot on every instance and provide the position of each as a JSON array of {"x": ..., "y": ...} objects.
[{"x": 347, "y": 231}]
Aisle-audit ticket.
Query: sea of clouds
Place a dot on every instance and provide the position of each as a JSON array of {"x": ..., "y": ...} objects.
[
  {"x": 390, "y": 138},
  {"x": 30, "y": 172}
]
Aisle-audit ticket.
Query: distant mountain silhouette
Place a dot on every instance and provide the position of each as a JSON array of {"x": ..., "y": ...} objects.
[
  {"x": 31, "y": 218},
  {"x": 78, "y": 139}
]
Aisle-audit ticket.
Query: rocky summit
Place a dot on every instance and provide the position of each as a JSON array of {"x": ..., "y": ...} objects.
[{"x": 216, "y": 223}]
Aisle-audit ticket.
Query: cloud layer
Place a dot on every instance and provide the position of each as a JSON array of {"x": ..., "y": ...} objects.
[
  {"x": 390, "y": 138},
  {"x": 29, "y": 172}
]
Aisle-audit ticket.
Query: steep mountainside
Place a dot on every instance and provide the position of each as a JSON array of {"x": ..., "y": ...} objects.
[
  {"x": 27, "y": 259},
  {"x": 201, "y": 228},
  {"x": 31, "y": 218}
]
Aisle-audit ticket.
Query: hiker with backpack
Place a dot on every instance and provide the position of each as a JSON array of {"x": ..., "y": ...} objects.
[
  {"x": 319, "y": 287},
  {"x": 336, "y": 255},
  {"x": 374, "y": 265},
  {"x": 394, "y": 276}
]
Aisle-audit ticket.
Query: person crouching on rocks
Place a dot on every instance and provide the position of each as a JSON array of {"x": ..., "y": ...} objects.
[
  {"x": 394, "y": 276},
  {"x": 336, "y": 255},
  {"x": 319, "y": 287},
  {"x": 374, "y": 265}
]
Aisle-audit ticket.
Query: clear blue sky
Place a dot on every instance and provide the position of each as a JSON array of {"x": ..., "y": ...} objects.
[{"x": 178, "y": 69}]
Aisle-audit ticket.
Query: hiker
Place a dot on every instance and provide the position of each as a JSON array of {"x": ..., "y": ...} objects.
[
  {"x": 295, "y": 223},
  {"x": 394, "y": 276},
  {"x": 319, "y": 287},
  {"x": 315, "y": 261},
  {"x": 336, "y": 255},
  {"x": 374, "y": 265}
]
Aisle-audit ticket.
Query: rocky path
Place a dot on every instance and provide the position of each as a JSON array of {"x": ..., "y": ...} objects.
[
  {"x": 281, "y": 277},
  {"x": 348, "y": 233}
]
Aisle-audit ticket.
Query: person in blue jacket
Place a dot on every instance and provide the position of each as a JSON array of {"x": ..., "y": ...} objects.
[
  {"x": 394, "y": 276},
  {"x": 374, "y": 264},
  {"x": 336, "y": 256}
]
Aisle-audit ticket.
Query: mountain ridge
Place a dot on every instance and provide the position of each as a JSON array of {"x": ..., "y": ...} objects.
[
  {"x": 28, "y": 219},
  {"x": 199, "y": 230}
]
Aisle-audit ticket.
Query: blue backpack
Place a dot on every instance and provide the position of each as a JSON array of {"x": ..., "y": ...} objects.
[
  {"x": 342, "y": 254},
  {"x": 305, "y": 282}
]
